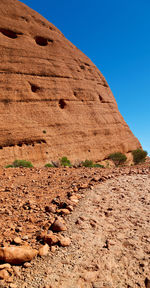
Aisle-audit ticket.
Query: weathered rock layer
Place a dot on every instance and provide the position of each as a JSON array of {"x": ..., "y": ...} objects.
[{"x": 54, "y": 101}]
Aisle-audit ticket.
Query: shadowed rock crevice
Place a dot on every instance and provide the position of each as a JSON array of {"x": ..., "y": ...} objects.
[
  {"x": 62, "y": 103},
  {"x": 102, "y": 100},
  {"x": 21, "y": 143},
  {"x": 34, "y": 88},
  {"x": 9, "y": 33}
]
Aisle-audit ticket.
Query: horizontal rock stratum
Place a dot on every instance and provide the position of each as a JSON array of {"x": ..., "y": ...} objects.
[{"x": 54, "y": 101}]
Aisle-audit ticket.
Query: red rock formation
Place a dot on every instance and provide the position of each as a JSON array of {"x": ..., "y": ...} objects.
[{"x": 54, "y": 101}]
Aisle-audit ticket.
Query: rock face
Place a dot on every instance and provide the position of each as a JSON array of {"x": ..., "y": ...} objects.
[{"x": 54, "y": 101}]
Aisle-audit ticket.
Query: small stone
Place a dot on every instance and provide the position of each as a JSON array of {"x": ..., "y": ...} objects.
[
  {"x": 74, "y": 199},
  {"x": 25, "y": 237},
  {"x": 90, "y": 276},
  {"x": 58, "y": 226},
  {"x": 53, "y": 249},
  {"x": 70, "y": 208},
  {"x": 43, "y": 251},
  {"x": 64, "y": 241},
  {"x": 16, "y": 270},
  {"x": 17, "y": 240},
  {"x": 50, "y": 209},
  {"x": 27, "y": 265},
  {"x": 4, "y": 275},
  {"x": 64, "y": 211},
  {"x": 41, "y": 235},
  {"x": 5, "y": 266},
  {"x": 10, "y": 279},
  {"x": 12, "y": 285},
  {"x": 84, "y": 186},
  {"x": 51, "y": 239}
]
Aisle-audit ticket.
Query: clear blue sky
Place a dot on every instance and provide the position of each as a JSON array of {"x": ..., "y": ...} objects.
[{"x": 115, "y": 35}]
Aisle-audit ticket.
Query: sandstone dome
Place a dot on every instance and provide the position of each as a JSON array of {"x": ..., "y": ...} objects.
[{"x": 54, "y": 101}]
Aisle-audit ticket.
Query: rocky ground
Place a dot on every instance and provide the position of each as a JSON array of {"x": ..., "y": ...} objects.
[{"x": 107, "y": 216}]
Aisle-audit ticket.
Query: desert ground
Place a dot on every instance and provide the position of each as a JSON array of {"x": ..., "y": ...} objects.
[{"x": 106, "y": 213}]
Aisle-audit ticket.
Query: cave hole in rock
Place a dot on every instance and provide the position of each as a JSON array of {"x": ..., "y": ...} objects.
[
  {"x": 42, "y": 41},
  {"x": 8, "y": 33},
  {"x": 101, "y": 98},
  {"x": 62, "y": 104},
  {"x": 34, "y": 88},
  {"x": 82, "y": 67},
  {"x": 75, "y": 93}
]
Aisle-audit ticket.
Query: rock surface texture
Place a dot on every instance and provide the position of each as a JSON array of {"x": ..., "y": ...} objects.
[{"x": 54, "y": 101}]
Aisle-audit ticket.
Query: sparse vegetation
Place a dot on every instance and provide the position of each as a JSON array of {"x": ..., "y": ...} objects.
[
  {"x": 64, "y": 161},
  {"x": 118, "y": 158},
  {"x": 9, "y": 166},
  {"x": 90, "y": 164},
  {"x": 87, "y": 163},
  {"x": 20, "y": 163},
  {"x": 98, "y": 165},
  {"x": 139, "y": 156},
  {"x": 49, "y": 165}
]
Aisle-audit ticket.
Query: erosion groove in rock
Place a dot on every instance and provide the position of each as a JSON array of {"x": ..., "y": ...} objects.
[{"x": 46, "y": 83}]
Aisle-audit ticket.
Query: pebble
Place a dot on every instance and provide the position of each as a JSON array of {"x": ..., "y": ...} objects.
[
  {"x": 64, "y": 241},
  {"x": 58, "y": 226},
  {"x": 5, "y": 266},
  {"x": 25, "y": 237},
  {"x": 27, "y": 265},
  {"x": 17, "y": 240},
  {"x": 4, "y": 274},
  {"x": 43, "y": 251}
]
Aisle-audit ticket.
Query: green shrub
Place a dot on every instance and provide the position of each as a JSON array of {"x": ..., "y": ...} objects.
[
  {"x": 64, "y": 161},
  {"x": 118, "y": 158},
  {"x": 9, "y": 166},
  {"x": 98, "y": 165},
  {"x": 22, "y": 163},
  {"x": 49, "y": 165},
  {"x": 87, "y": 163},
  {"x": 139, "y": 156}
]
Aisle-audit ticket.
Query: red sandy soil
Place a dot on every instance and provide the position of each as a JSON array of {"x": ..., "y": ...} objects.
[{"x": 25, "y": 193}]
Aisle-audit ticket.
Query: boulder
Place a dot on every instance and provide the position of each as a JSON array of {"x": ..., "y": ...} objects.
[{"x": 17, "y": 255}]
